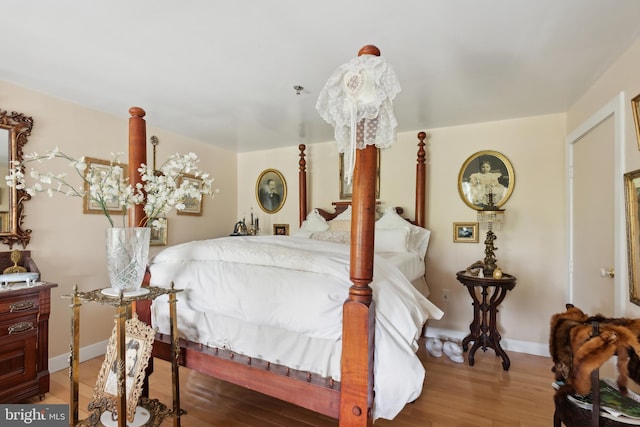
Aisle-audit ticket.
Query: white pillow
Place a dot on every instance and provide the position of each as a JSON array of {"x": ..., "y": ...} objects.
[
  {"x": 340, "y": 225},
  {"x": 332, "y": 236},
  {"x": 345, "y": 215},
  {"x": 392, "y": 239},
  {"x": 314, "y": 223},
  {"x": 418, "y": 236}
]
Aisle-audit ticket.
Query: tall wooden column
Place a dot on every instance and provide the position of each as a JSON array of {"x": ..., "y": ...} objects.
[
  {"x": 137, "y": 156},
  {"x": 421, "y": 171},
  {"x": 356, "y": 396},
  {"x": 302, "y": 181}
]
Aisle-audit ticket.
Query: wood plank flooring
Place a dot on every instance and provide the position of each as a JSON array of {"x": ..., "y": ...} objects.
[{"x": 454, "y": 395}]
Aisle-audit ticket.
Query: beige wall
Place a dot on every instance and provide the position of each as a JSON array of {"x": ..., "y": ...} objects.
[
  {"x": 67, "y": 245},
  {"x": 531, "y": 245}
]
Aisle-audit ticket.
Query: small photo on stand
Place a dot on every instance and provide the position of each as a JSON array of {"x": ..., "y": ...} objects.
[{"x": 138, "y": 343}]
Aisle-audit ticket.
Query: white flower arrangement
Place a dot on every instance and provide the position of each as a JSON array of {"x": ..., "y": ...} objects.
[{"x": 161, "y": 190}]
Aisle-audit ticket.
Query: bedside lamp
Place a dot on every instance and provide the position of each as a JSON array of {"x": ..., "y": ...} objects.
[{"x": 492, "y": 217}]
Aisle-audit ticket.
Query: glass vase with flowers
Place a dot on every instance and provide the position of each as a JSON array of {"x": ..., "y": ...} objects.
[{"x": 108, "y": 188}]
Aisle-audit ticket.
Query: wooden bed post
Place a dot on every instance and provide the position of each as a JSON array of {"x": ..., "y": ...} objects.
[
  {"x": 137, "y": 156},
  {"x": 358, "y": 325},
  {"x": 302, "y": 184},
  {"x": 420, "y": 181}
]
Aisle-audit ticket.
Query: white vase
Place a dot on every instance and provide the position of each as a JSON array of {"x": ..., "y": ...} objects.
[{"x": 127, "y": 256}]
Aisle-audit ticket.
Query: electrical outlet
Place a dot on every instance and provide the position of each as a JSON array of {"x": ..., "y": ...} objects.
[{"x": 445, "y": 295}]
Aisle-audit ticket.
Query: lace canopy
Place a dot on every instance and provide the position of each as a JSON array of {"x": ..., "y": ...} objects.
[{"x": 357, "y": 102}]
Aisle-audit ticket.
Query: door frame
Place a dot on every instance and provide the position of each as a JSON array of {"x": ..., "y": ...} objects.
[{"x": 614, "y": 108}]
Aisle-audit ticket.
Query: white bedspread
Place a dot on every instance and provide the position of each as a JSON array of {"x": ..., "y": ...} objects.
[{"x": 280, "y": 299}]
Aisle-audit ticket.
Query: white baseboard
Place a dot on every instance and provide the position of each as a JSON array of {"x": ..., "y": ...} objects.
[
  {"x": 61, "y": 362},
  {"x": 537, "y": 349}
]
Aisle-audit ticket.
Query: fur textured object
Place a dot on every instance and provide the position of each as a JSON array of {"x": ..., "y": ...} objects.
[
  {"x": 560, "y": 341},
  {"x": 576, "y": 352}
]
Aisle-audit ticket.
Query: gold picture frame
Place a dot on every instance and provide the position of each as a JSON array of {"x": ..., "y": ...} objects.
[
  {"x": 635, "y": 107},
  {"x": 280, "y": 229},
  {"x": 88, "y": 205},
  {"x": 138, "y": 344},
  {"x": 159, "y": 234},
  {"x": 346, "y": 189},
  {"x": 271, "y": 191},
  {"x": 632, "y": 205},
  {"x": 483, "y": 173},
  {"x": 465, "y": 232},
  {"x": 193, "y": 206}
]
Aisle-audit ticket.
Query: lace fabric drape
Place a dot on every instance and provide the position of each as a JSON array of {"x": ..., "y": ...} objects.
[{"x": 357, "y": 102}]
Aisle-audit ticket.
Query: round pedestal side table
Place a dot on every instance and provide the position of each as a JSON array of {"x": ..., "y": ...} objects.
[{"x": 487, "y": 294}]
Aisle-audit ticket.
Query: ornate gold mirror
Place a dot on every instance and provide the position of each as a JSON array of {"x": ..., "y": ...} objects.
[
  {"x": 632, "y": 190},
  {"x": 15, "y": 128}
]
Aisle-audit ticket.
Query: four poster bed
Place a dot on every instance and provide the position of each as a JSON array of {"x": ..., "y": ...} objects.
[{"x": 300, "y": 322}]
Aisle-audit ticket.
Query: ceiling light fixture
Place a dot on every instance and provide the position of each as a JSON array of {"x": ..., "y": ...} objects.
[{"x": 298, "y": 89}]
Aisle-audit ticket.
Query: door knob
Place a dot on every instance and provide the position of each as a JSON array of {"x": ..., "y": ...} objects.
[{"x": 604, "y": 272}]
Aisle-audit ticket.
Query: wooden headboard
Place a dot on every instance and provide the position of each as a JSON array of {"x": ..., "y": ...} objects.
[{"x": 341, "y": 206}]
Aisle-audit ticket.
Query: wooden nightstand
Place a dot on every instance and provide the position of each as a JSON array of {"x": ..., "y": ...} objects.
[
  {"x": 24, "y": 334},
  {"x": 483, "y": 329},
  {"x": 24, "y": 341}
]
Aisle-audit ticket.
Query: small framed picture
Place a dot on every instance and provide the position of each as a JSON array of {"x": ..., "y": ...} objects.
[
  {"x": 465, "y": 232},
  {"x": 281, "y": 229},
  {"x": 95, "y": 167},
  {"x": 192, "y": 206},
  {"x": 138, "y": 343},
  {"x": 159, "y": 234}
]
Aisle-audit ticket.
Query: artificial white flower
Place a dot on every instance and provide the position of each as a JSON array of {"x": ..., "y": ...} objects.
[{"x": 161, "y": 190}]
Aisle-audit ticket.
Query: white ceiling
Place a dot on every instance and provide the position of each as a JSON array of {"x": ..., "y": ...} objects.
[{"x": 224, "y": 71}]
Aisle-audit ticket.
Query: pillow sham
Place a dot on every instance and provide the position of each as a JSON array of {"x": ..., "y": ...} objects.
[
  {"x": 418, "y": 240},
  {"x": 345, "y": 215},
  {"x": 391, "y": 239},
  {"x": 314, "y": 223},
  {"x": 340, "y": 225}
]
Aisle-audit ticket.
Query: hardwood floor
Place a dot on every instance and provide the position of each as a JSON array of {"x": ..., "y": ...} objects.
[{"x": 454, "y": 395}]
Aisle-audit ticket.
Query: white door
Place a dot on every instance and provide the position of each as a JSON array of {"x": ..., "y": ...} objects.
[
  {"x": 596, "y": 212},
  {"x": 593, "y": 219}
]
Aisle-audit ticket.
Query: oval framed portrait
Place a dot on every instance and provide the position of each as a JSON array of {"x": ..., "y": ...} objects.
[
  {"x": 271, "y": 191},
  {"x": 486, "y": 179}
]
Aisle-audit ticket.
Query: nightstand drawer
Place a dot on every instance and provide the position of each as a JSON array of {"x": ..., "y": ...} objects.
[
  {"x": 20, "y": 304},
  {"x": 19, "y": 326}
]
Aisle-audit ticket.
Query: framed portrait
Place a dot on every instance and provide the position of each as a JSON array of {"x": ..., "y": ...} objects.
[
  {"x": 486, "y": 179},
  {"x": 192, "y": 206},
  {"x": 159, "y": 234},
  {"x": 632, "y": 205},
  {"x": 346, "y": 188},
  {"x": 635, "y": 107},
  {"x": 96, "y": 166},
  {"x": 465, "y": 232},
  {"x": 281, "y": 229},
  {"x": 271, "y": 191},
  {"x": 138, "y": 343}
]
